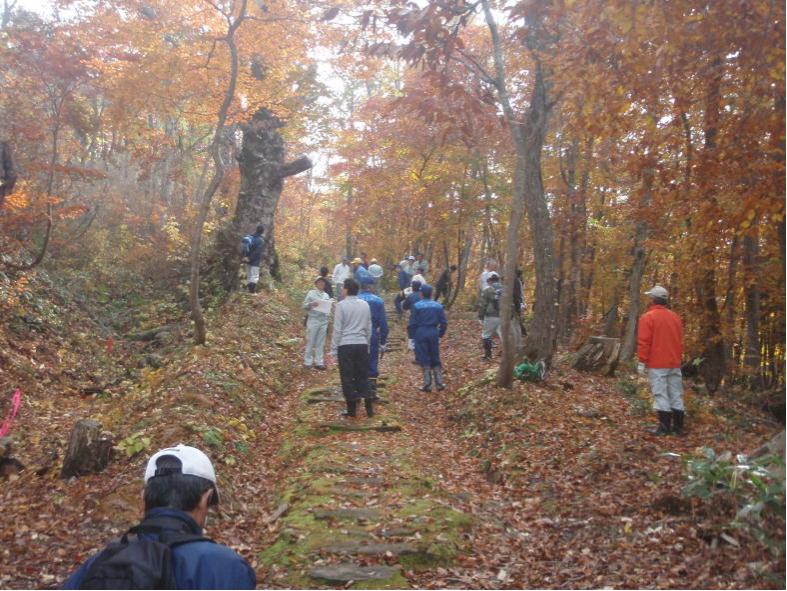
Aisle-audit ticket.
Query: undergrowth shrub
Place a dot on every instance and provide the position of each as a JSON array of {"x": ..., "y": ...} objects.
[{"x": 756, "y": 487}]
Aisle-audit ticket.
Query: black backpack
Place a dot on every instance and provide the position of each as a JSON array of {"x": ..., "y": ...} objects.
[{"x": 136, "y": 563}]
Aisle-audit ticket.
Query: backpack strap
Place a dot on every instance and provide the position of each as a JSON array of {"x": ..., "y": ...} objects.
[{"x": 170, "y": 531}]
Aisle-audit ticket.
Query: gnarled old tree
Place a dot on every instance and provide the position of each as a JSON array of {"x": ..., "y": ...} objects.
[{"x": 263, "y": 171}]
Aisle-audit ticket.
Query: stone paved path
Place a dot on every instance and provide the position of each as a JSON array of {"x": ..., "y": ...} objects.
[{"x": 357, "y": 509}]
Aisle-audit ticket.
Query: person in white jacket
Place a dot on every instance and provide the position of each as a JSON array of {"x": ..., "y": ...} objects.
[
  {"x": 316, "y": 325},
  {"x": 341, "y": 272}
]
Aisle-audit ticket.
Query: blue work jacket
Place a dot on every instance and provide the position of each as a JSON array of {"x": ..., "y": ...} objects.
[
  {"x": 363, "y": 277},
  {"x": 197, "y": 565},
  {"x": 379, "y": 322},
  {"x": 255, "y": 250},
  {"x": 411, "y": 300},
  {"x": 427, "y": 316}
]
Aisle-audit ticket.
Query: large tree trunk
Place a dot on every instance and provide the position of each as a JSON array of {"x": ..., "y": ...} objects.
[
  {"x": 713, "y": 365},
  {"x": 262, "y": 170}
]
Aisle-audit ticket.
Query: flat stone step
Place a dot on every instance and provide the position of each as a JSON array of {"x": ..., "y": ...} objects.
[
  {"x": 348, "y": 514},
  {"x": 352, "y": 493},
  {"x": 340, "y": 399},
  {"x": 360, "y": 549},
  {"x": 397, "y": 532},
  {"x": 383, "y": 428},
  {"x": 346, "y": 572},
  {"x": 340, "y": 469},
  {"x": 363, "y": 480},
  {"x": 323, "y": 391}
]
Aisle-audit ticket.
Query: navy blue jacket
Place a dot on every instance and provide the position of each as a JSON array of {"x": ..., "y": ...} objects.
[
  {"x": 426, "y": 318},
  {"x": 405, "y": 278},
  {"x": 255, "y": 251},
  {"x": 411, "y": 299},
  {"x": 197, "y": 565},
  {"x": 379, "y": 322}
]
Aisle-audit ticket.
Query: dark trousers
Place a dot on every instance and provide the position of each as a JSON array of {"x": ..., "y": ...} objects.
[{"x": 354, "y": 371}]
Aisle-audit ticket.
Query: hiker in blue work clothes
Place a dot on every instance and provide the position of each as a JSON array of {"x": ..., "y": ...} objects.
[
  {"x": 411, "y": 296},
  {"x": 359, "y": 272},
  {"x": 168, "y": 549},
  {"x": 379, "y": 332},
  {"x": 426, "y": 327}
]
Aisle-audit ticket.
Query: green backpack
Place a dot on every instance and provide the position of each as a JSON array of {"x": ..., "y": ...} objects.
[{"x": 530, "y": 372}]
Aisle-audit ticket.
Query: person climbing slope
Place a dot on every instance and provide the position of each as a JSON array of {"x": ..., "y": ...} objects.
[{"x": 426, "y": 327}]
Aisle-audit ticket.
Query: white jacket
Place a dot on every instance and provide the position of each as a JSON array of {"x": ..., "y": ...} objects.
[{"x": 341, "y": 272}]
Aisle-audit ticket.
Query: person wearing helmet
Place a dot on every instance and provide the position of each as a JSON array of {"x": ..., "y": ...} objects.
[
  {"x": 659, "y": 350},
  {"x": 168, "y": 550}
]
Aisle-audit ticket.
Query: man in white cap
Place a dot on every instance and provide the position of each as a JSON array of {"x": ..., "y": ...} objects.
[
  {"x": 168, "y": 550},
  {"x": 660, "y": 349}
]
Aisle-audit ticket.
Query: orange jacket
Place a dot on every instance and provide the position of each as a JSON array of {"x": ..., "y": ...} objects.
[{"x": 660, "y": 338}]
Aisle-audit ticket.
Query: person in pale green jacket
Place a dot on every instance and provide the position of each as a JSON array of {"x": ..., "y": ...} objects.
[{"x": 316, "y": 326}]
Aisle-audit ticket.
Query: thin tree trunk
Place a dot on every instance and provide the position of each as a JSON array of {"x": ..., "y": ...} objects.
[
  {"x": 637, "y": 266},
  {"x": 528, "y": 192},
  {"x": 218, "y": 173},
  {"x": 752, "y": 358}
]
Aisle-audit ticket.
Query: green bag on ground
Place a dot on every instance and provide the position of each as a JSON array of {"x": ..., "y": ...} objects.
[{"x": 530, "y": 372}]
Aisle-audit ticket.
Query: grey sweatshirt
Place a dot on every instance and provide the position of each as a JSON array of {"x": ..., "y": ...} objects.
[{"x": 352, "y": 323}]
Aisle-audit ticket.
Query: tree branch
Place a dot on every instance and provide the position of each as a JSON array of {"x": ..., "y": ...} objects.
[{"x": 295, "y": 167}]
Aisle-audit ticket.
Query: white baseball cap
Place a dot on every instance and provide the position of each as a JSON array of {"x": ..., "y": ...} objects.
[
  {"x": 193, "y": 462},
  {"x": 657, "y": 292},
  {"x": 411, "y": 258}
]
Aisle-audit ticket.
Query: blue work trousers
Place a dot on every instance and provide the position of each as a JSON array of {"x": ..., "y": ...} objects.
[{"x": 427, "y": 346}]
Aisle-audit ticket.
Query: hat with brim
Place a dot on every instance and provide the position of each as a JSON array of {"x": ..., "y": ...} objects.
[
  {"x": 320, "y": 278},
  {"x": 357, "y": 261},
  {"x": 657, "y": 292},
  {"x": 193, "y": 462}
]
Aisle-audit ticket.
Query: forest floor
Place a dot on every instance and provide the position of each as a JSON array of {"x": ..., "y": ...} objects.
[{"x": 550, "y": 485}]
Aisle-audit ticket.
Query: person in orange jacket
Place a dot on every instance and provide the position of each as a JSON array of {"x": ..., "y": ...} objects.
[{"x": 659, "y": 349}]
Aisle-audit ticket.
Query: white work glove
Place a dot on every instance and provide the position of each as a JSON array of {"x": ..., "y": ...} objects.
[
  {"x": 382, "y": 348},
  {"x": 641, "y": 368}
]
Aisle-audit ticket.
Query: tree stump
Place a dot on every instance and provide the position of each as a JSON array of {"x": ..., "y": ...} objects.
[
  {"x": 89, "y": 449},
  {"x": 598, "y": 355}
]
